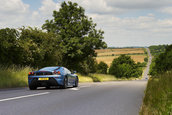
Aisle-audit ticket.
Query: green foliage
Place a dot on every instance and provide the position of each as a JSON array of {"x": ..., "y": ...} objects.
[
  {"x": 31, "y": 47},
  {"x": 8, "y": 46},
  {"x": 89, "y": 65},
  {"x": 124, "y": 66},
  {"x": 163, "y": 62},
  {"x": 78, "y": 32},
  {"x": 157, "y": 49},
  {"x": 146, "y": 59},
  {"x": 152, "y": 70},
  {"x": 143, "y": 64},
  {"x": 13, "y": 76},
  {"x": 70, "y": 40},
  {"x": 102, "y": 68}
]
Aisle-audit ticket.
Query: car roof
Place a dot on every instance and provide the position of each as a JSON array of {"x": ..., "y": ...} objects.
[{"x": 50, "y": 68}]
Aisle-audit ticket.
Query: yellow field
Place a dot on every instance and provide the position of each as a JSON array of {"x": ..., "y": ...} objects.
[
  {"x": 105, "y": 55},
  {"x": 105, "y": 52}
]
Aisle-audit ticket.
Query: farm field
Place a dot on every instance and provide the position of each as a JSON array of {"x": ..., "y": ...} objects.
[{"x": 107, "y": 55}]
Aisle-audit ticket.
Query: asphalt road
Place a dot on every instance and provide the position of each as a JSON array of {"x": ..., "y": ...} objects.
[{"x": 107, "y": 98}]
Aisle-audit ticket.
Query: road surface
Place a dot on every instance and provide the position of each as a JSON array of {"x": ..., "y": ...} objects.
[{"x": 107, "y": 98}]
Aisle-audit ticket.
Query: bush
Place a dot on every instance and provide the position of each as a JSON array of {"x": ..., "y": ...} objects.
[
  {"x": 143, "y": 64},
  {"x": 146, "y": 59},
  {"x": 124, "y": 66},
  {"x": 89, "y": 65},
  {"x": 163, "y": 62},
  {"x": 102, "y": 67}
]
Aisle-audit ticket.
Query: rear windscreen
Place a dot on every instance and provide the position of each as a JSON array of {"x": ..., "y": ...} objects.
[{"x": 49, "y": 68}]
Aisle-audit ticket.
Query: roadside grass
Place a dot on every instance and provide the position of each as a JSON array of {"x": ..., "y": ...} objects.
[
  {"x": 102, "y": 78},
  {"x": 158, "y": 95},
  {"x": 13, "y": 76},
  {"x": 83, "y": 78}
]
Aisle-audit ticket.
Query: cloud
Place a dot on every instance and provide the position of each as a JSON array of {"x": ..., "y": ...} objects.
[
  {"x": 12, "y": 12},
  {"x": 115, "y": 17},
  {"x": 138, "y": 31},
  {"x": 13, "y": 7},
  {"x": 100, "y": 7},
  {"x": 167, "y": 10},
  {"x": 48, "y": 6},
  {"x": 44, "y": 12},
  {"x": 139, "y": 4}
]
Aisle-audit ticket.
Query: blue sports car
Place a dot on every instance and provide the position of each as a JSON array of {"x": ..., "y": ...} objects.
[{"x": 52, "y": 76}]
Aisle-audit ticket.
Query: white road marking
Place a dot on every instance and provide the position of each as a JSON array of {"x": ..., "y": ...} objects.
[
  {"x": 84, "y": 86},
  {"x": 74, "y": 89},
  {"x": 19, "y": 97}
]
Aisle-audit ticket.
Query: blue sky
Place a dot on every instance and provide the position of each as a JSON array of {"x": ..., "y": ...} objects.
[
  {"x": 125, "y": 22},
  {"x": 34, "y": 4}
]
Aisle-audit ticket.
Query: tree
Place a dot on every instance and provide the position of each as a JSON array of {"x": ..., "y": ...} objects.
[
  {"x": 124, "y": 66},
  {"x": 29, "y": 46},
  {"x": 146, "y": 59},
  {"x": 79, "y": 35},
  {"x": 163, "y": 62},
  {"x": 8, "y": 45},
  {"x": 39, "y": 48},
  {"x": 102, "y": 67}
]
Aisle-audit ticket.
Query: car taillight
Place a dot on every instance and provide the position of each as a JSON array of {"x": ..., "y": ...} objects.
[
  {"x": 31, "y": 73},
  {"x": 57, "y": 72}
]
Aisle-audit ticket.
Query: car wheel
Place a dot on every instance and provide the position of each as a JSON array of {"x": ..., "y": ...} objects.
[
  {"x": 76, "y": 82},
  {"x": 32, "y": 87},
  {"x": 65, "y": 82}
]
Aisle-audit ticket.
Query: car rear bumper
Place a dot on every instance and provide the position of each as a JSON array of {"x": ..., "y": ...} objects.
[{"x": 53, "y": 81}]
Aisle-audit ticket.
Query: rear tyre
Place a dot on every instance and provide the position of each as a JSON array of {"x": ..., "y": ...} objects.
[
  {"x": 76, "y": 82},
  {"x": 32, "y": 87},
  {"x": 65, "y": 82}
]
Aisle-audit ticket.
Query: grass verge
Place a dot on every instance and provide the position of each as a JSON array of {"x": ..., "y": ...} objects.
[
  {"x": 158, "y": 96},
  {"x": 13, "y": 76},
  {"x": 102, "y": 78}
]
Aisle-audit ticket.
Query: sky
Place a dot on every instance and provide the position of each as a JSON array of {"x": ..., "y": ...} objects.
[{"x": 125, "y": 22}]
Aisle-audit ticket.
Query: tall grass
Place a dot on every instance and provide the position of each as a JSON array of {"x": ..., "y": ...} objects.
[
  {"x": 13, "y": 76},
  {"x": 158, "y": 95},
  {"x": 102, "y": 78}
]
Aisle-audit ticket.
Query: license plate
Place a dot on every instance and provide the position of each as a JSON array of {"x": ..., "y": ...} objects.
[{"x": 43, "y": 79}]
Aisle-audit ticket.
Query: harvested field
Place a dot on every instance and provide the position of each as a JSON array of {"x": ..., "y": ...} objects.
[
  {"x": 137, "y": 54},
  {"x": 110, "y": 52}
]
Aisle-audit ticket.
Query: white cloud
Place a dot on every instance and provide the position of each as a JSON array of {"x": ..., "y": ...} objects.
[
  {"x": 119, "y": 30},
  {"x": 138, "y": 31},
  {"x": 139, "y": 4},
  {"x": 100, "y": 6},
  {"x": 13, "y": 6},
  {"x": 48, "y": 6},
  {"x": 12, "y": 12},
  {"x": 167, "y": 10}
]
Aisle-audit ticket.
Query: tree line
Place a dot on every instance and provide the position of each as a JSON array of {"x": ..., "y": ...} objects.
[
  {"x": 69, "y": 39},
  {"x": 162, "y": 62}
]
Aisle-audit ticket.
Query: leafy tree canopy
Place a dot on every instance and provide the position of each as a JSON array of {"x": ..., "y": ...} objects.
[
  {"x": 29, "y": 47},
  {"x": 124, "y": 66},
  {"x": 79, "y": 36},
  {"x": 163, "y": 62},
  {"x": 102, "y": 67}
]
